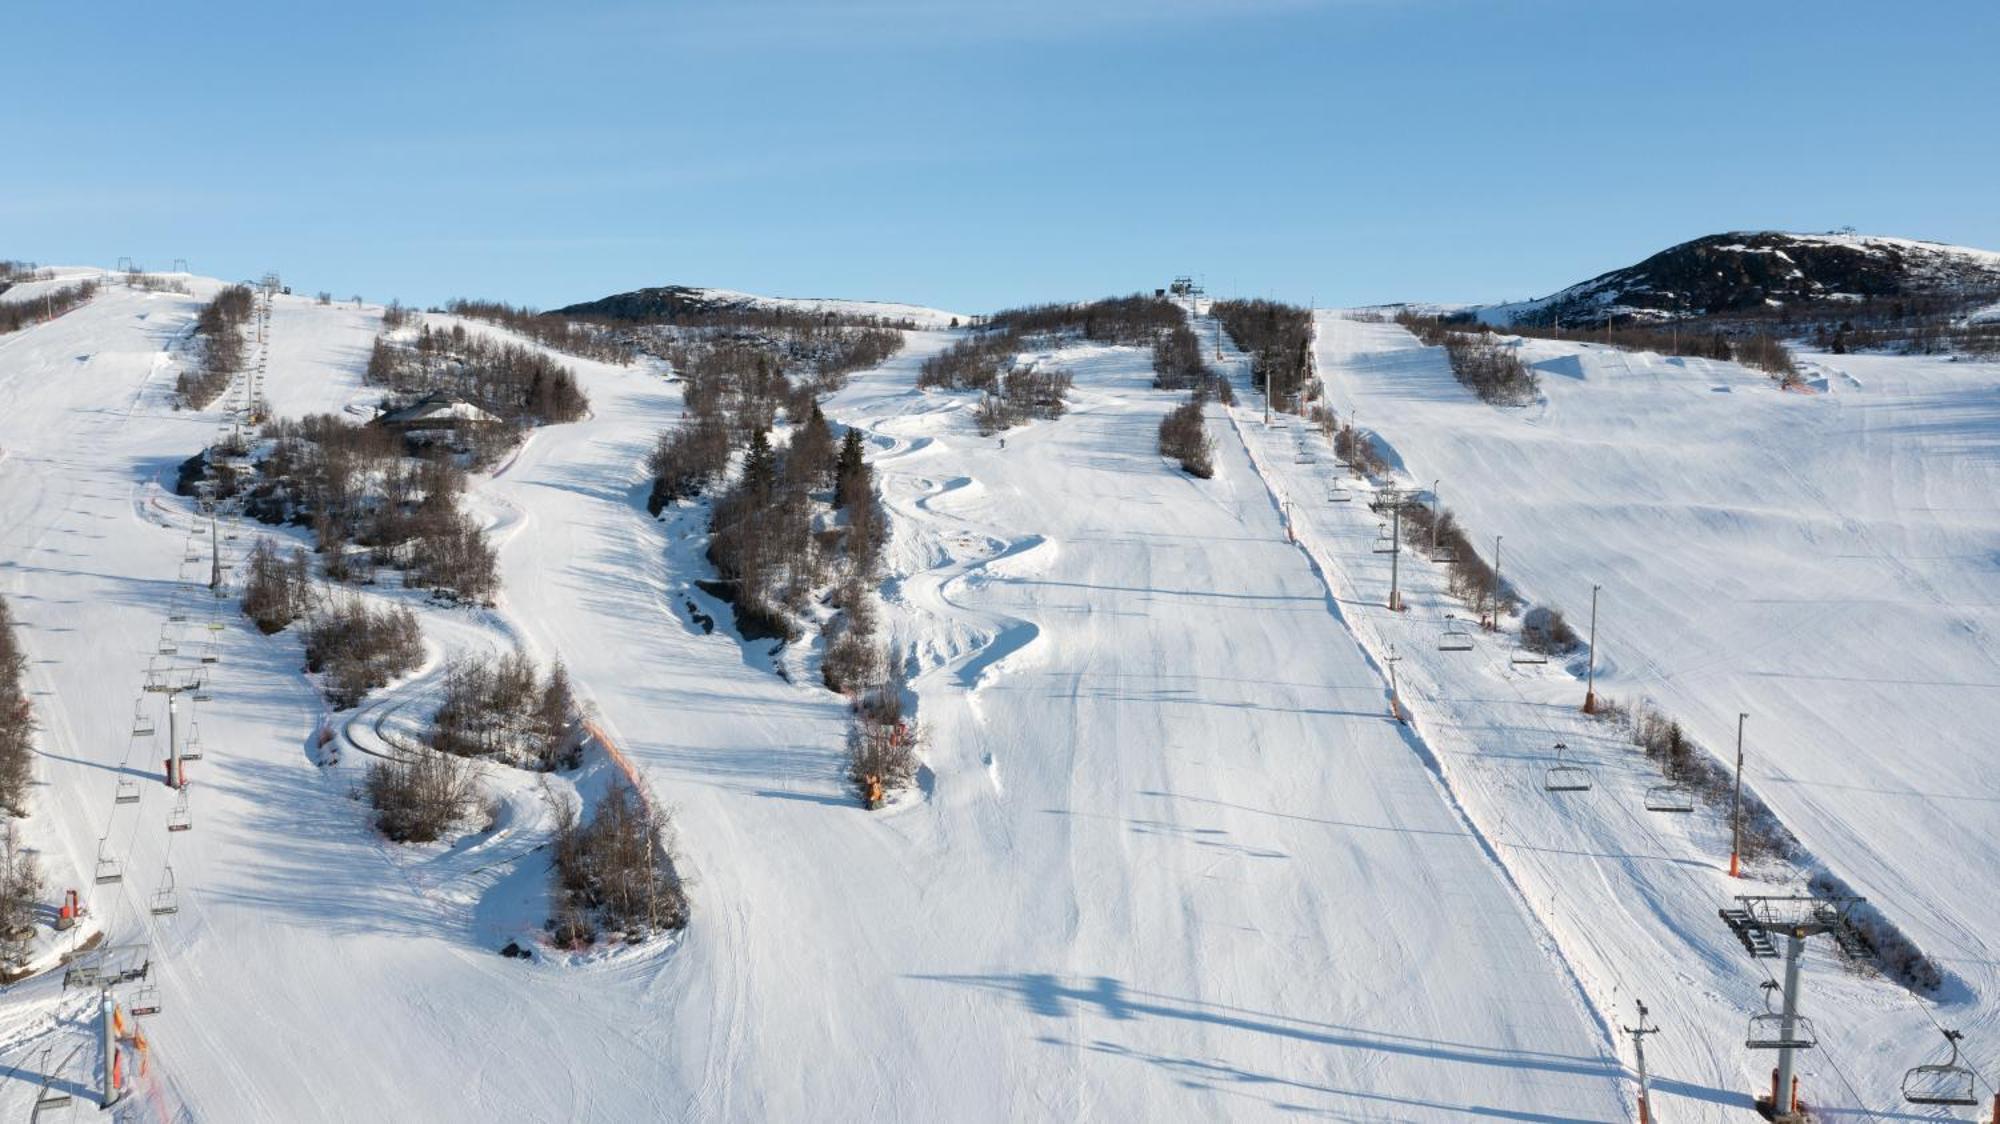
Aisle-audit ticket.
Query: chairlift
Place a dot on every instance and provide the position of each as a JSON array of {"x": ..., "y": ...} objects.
[
  {"x": 182, "y": 817},
  {"x": 208, "y": 654},
  {"x": 177, "y": 616},
  {"x": 192, "y": 750},
  {"x": 1767, "y": 1031},
  {"x": 166, "y": 899},
  {"x": 1444, "y": 553},
  {"x": 1565, "y": 778},
  {"x": 1947, "y": 1083},
  {"x": 167, "y": 646},
  {"x": 127, "y": 792},
  {"x": 1303, "y": 458},
  {"x": 142, "y": 723},
  {"x": 147, "y": 1000},
  {"x": 108, "y": 869},
  {"x": 1524, "y": 657},
  {"x": 1677, "y": 797},
  {"x": 215, "y": 625},
  {"x": 1338, "y": 494},
  {"x": 1455, "y": 637},
  {"x": 1384, "y": 542}
]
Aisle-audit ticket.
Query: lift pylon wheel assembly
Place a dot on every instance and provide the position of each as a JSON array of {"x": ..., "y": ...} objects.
[
  {"x": 1454, "y": 638},
  {"x": 1946, "y": 1082},
  {"x": 1677, "y": 797},
  {"x": 1563, "y": 777}
]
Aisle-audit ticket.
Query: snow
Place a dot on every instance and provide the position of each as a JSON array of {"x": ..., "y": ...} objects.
[
  {"x": 1169, "y": 858},
  {"x": 1823, "y": 562}
]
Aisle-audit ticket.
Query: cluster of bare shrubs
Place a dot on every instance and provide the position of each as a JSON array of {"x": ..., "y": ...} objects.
[
  {"x": 155, "y": 283},
  {"x": 558, "y": 333},
  {"x": 1177, "y": 361},
  {"x": 1024, "y": 393},
  {"x": 1358, "y": 450},
  {"x": 1485, "y": 366},
  {"x": 16, "y": 315},
  {"x": 509, "y": 380},
  {"x": 421, "y": 796},
  {"x": 1872, "y": 941},
  {"x": 219, "y": 327},
  {"x": 975, "y": 362},
  {"x": 276, "y": 590},
  {"x": 355, "y": 487},
  {"x": 1184, "y": 438},
  {"x": 17, "y": 720},
  {"x": 502, "y": 710},
  {"x": 1278, "y": 339},
  {"x": 1544, "y": 631},
  {"x": 615, "y": 874},
  {"x": 1469, "y": 577},
  {"x": 882, "y": 744},
  {"x": 20, "y": 901},
  {"x": 1682, "y": 760},
  {"x": 355, "y": 649}
]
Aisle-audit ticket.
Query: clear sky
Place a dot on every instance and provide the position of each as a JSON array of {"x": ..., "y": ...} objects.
[{"x": 974, "y": 155}]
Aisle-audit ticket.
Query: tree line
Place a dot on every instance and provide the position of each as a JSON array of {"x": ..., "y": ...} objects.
[
  {"x": 558, "y": 333},
  {"x": 516, "y": 383},
  {"x": 16, "y": 315},
  {"x": 1278, "y": 339},
  {"x": 368, "y": 504},
  {"x": 218, "y": 328}
]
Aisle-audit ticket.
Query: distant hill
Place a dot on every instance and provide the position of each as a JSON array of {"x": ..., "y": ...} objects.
[
  {"x": 668, "y": 304},
  {"x": 1759, "y": 273}
]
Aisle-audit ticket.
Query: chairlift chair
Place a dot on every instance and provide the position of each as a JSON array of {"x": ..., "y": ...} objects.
[
  {"x": 1445, "y": 553},
  {"x": 182, "y": 817},
  {"x": 1677, "y": 797},
  {"x": 127, "y": 792},
  {"x": 167, "y": 647},
  {"x": 1335, "y": 493},
  {"x": 191, "y": 751},
  {"x": 166, "y": 899},
  {"x": 1767, "y": 1031},
  {"x": 1522, "y": 657},
  {"x": 1384, "y": 542},
  {"x": 142, "y": 723},
  {"x": 108, "y": 869},
  {"x": 1948, "y": 1083},
  {"x": 208, "y": 653},
  {"x": 146, "y": 1001},
  {"x": 1565, "y": 778},
  {"x": 1455, "y": 638}
]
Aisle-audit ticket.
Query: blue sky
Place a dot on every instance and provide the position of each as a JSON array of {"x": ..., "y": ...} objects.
[{"x": 978, "y": 155}]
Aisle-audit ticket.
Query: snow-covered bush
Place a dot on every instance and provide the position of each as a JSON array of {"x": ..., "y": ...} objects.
[
  {"x": 355, "y": 649},
  {"x": 615, "y": 874}
]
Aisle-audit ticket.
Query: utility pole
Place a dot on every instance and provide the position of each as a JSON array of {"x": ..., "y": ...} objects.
[
  {"x": 1434, "y": 514},
  {"x": 1736, "y": 807},
  {"x": 215, "y": 560},
  {"x": 1395, "y": 696},
  {"x": 1590, "y": 687},
  {"x": 1493, "y": 605},
  {"x": 1396, "y": 555},
  {"x": 1639, "y": 1034}
]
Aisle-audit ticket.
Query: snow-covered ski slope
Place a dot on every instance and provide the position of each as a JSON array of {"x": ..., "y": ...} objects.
[
  {"x": 1169, "y": 859},
  {"x": 1828, "y": 563}
]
